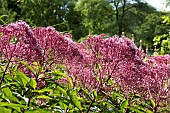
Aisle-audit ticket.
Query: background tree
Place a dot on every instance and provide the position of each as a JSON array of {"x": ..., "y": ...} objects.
[
  {"x": 139, "y": 18},
  {"x": 81, "y": 17},
  {"x": 162, "y": 41},
  {"x": 150, "y": 27},
  {"x": 6, "y": 14},
  {"x": 97, "y": 15},
  {"x": 45, "y": 13},
  {"x": 74, "y": 20}
]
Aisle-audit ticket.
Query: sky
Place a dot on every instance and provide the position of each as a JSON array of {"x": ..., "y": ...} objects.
[{"x": 158, "y": 4}]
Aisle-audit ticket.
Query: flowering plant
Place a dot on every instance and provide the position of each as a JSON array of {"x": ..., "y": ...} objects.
[{"x": 98, "y": 68}]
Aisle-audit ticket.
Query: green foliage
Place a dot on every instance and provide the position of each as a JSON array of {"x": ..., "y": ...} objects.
[
  {"x": 162, "y": 42},
  {"x": 150, "y": 28},
  {"x": 97, "y": 15},
  {"x": 44, "y": 13},
  {"x": 20, "y": 93},
  {"x": 83, "y": 17},
  {"x": 6, "y": 14}
]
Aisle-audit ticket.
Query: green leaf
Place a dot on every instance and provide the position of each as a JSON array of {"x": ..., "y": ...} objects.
[
  {"x": 2, "y": 19},
  {"x": 7, "y": 92},
  {"x": 135, "y": 109},
  {"x": 8, "y": 77},
  {"x": 2, "y": 67},
  {"x": 73, "y": 96},
  {"x": 59, "y": 72},
  {"x": 13, "y": 40},
  {"x": 2, "y": 104},
  {"x": 63, "y": 104},
  {"x": 36, "y": 66},
  {"x": 1, "y": 73},
  {"x": 114, "y": 95},
  {"x": 4, "y": 110},
  {"x": 124, "y": 105},
  {"x": 14, "y": 68},
  {"x": 70, "y": 81},
  {"x": 86, "y": 92},
  {"x": 165, "y": 109},
  {"x": 37, "y": 111},
  {"x": 153, "y": 103},
  {"x": 41, "y": 75},
  {"x": 61, "y": 89},
  {"x": 95, "y": 95},
  {"x": 109, "y": 104},
  {"x": 22, "y": 78},
  {"x": 43, "y": 90},
  {"x": 8, "y": 84},
  {"x": 44, "y": 97},
  {"x": 17, "y": 109},
  {"x": 33, "y": 83},
  {"x": 149, "y": 111},
  {"x": 28, "y": 66}
]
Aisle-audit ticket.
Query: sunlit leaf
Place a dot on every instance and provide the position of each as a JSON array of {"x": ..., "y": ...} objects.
[{"x": 33, "y": 83}]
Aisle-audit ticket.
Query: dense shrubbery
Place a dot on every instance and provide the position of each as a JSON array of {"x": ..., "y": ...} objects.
[
  {"x": 162, "y": 41},
  {"x": 43, "y": 70}
]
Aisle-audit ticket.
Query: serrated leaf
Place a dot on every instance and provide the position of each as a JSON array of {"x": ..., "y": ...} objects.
[
  {"x": 33, "y": 83},
  {"x": 8, "y": 77}
]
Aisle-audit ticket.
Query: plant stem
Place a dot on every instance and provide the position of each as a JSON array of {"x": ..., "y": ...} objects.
[
  {"x": 4, "y": 73},
  {"x": 93, "y": 100},
  {"x": 29, "y": 99}
]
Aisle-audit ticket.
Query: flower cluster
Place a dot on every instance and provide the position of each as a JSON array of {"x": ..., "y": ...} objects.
[
  {"x": 18, "y": 42},
  {"x": 157, "y": 74},
  {"x": 90, "y": 64},
  {"x": 43, "y": 45}
]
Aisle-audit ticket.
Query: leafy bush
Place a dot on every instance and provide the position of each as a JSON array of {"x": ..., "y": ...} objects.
[
  {"x": 43, "y": 70},
  {"x": 162, "y": 41}
]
